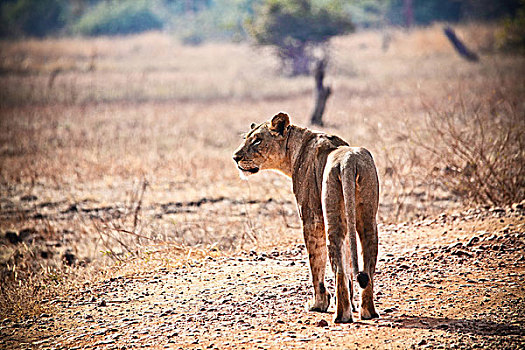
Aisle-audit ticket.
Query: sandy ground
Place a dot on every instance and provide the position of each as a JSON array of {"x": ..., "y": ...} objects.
[{"x": 450, "y": 282}]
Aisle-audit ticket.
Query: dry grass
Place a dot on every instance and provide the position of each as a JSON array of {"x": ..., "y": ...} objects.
[
  {"x": 83, "y": 122},
  {"x": 478, "y": 145}
]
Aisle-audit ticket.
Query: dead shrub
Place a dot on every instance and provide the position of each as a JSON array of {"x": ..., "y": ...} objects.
[
  {"x": 476, "y": 146},
  {"x": 25, "y": 282}
]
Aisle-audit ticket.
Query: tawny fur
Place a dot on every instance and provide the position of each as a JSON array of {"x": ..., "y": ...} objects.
[{"x": 337, "y": 193}]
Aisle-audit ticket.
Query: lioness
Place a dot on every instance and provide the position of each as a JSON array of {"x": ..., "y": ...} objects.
[{"x": 336, "y": 187}]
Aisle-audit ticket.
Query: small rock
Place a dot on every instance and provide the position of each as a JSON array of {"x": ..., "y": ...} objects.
[
  {"x": 44, "y": 254},
  {"x": 105, "y": 342},
  {"x": 491, "y": 238},
  {"x": 506, "y": 229},
  {"x": 28, "y": 198},
  {"x": 69, "y": 257},
  {"x": 498, "y": 247},
  {"x": 72, "y": 208},
  {"x": 22, "y": 235},
  {"x": 455, "y": 245},
  {"x": 472, "y": 241},
  {"x": 322, "y": 323},
  {"x": 13, "y": 237},
  {"x": 461, "y": 253},
  {"x": 422, "y": 342},
  {"x": 102, "y": 303},
  {"x": 167, "y": 312}
]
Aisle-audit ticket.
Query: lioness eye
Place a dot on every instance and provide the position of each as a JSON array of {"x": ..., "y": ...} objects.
[{"x": 256, "y": 142}]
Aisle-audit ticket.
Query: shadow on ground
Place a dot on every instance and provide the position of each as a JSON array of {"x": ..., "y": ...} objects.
[{"x": 462, "y": 326}]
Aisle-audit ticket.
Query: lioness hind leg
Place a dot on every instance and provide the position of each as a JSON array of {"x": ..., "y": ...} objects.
[
  {"x": 350, "y": 275},
  {"x": 367, "y": 309},
  {"x": 343, "y": 309},
  {"x": 369, "y": 251},
  {"x": 332, "y": 203},
  {"x": 351, "y": 289},
  {"x": 367, "y": 197},
  {"x": 315, "y": 240}
]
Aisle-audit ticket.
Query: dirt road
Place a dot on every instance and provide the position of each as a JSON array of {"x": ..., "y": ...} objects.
[{"x": 451, "y": 282}]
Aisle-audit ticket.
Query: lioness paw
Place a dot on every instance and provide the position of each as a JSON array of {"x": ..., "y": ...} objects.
[
  {"x": 343, "y": 318},
  {"x": 319, "y": 304},
  {"x": 367, "y": 315}
]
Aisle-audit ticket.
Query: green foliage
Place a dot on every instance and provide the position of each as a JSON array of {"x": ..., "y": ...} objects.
[
  {"x": 512, "y": 37},
  {"x": 219, "y": 20},
  {"x": 281, "y": 22},
  {"x": 270, "y": 22},
  {"x": 428, "y": 11},
  {"x": 33, "y": 17},
  {"x": 118, "y": 17},
  {"x": 367, "y": 13},
  {"x": 489, "y": 10},
  {"x": 295, "y": 27},
  {"x": 425, "y": 12},
  {"x": 178, "y": 7}
]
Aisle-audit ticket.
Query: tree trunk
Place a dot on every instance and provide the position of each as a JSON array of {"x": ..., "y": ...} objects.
[
  {"x": 296, "y": 60},
  {"x": 408, "y": 11},
  {"x": 322, "y": 93},
  {"x": 300, "y": 64}
]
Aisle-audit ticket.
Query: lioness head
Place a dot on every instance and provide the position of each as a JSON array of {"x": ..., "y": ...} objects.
[{"x": 264, "y": 146}]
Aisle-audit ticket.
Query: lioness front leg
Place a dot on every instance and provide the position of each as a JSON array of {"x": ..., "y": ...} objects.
[{"x": 315, "y": 240}]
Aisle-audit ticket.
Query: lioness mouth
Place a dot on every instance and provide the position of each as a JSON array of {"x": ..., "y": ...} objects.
[{"x": 251, "y": 170}]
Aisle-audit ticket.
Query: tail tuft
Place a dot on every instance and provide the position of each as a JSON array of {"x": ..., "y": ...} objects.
[{"x": 362, "y": 279}]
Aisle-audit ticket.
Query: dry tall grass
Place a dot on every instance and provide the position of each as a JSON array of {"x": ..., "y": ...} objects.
[
  {"x": 85, "y": 121},
  {"x": 478, "y": 145}
]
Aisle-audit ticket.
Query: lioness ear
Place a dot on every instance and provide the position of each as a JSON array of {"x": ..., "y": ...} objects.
[
  {"x": 253, "y": 126},
  {"x": 280, "y": 122}
]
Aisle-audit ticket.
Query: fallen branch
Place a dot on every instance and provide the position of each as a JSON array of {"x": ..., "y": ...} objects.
[{"x": 463, "y": 51}]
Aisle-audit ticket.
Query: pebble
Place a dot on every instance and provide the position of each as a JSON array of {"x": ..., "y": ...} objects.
[
  {"x": 321, "y": 323},
  {"x": 472, "y": 241}
]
